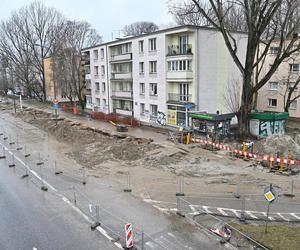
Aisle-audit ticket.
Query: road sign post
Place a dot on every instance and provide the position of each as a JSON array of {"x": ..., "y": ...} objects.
[
  {"x": 270, "y": 195},
  {"x": 55, "y": 106}
]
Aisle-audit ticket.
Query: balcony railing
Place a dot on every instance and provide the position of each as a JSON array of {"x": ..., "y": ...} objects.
[
  {"x": 185, "y": 49},
  {"x": 121, "y": 57},
  {"x": 175, "y": 97},
  {"x": 121, "y": 75},
  {"x": 122, "y": 94}
]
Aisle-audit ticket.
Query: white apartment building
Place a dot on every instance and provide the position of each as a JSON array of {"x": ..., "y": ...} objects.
[{"x": 157, "y": 76}]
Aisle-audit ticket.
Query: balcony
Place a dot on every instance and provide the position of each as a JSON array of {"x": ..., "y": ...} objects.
[
  {"x": 175, "y": 50},
  {"x": 122, "y": 94},
  {"x": 121, "y": 57},
  {"x": 121, "y": 75},
  {"x": 123, "y": 112},
  {"x": 173, "y": 75},
  {"x": 175, "y": 97}
]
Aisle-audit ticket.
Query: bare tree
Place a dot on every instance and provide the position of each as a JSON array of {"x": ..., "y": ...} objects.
[
  {"x": 232, "y": 96},
  {"x": 265, "y": 21},
  {"x": 43, "y": 27},
  {"x": 19, "y": 55},
  {"x": 67, "y": 61},
  {"x": 27, "y": 37},
  {"x": 139, "y": 28}
]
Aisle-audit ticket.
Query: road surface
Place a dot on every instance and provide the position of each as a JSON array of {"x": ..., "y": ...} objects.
[{"x": 33, "y": 219}]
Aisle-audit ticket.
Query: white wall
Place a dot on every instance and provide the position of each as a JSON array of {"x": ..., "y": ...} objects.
[
  {"x": 215, "y": 69},
  {"x": 159, "y": 78}
]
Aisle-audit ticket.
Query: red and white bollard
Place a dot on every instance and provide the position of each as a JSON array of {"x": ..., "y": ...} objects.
[{"x": 129, "y": 238}]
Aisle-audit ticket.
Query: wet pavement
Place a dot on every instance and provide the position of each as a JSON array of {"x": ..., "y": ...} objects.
[{"x": 115, "y": 207}]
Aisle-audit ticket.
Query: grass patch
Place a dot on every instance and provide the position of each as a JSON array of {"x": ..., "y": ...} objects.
[{"x": 279, "y": 237}]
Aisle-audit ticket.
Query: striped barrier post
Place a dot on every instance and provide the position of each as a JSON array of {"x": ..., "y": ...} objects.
[{"x": 129, "y": 237}]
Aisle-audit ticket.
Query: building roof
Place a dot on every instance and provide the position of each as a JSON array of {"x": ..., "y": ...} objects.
[{"x": 157, "y": 32}]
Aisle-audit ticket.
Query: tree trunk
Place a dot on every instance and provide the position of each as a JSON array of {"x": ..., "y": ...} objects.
[
  {"x": 243, "y": 122},
  {"x": 246, "y": 104}
]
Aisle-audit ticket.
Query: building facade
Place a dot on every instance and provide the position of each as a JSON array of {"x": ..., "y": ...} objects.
[
  {"x": 273, "y": 95},
  {"x": 159, "y": 77}
]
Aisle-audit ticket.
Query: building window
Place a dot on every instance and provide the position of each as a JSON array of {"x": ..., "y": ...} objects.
[
  {"x": 102, "y": 70},
  {"x": 293, "y": 105},
  {"x": 152, "y": 44},
  {"x": 95, "y": 55},
  {"x": 273, "y": 85},
  {"x": 142, "y": 88},
  {"x": 104, "y": 103},
  {"x": 142, "y": 108},
  {"x": 294, "y": 67},
  {"x": 184, "y": 92},
  {"x": 98, "y": 102},
  {"x": 141, "y": 67},
  {"x": 274, "y": 50},
  {"x": 96, "y": 70},
  {"x": 103, "y": 86},
  {"x": 153, "y": 110},
  {"x": 183, "y": 44},
  {"x": 152, "y": 66},
  {"x": 97, "y": 86},
  {"x": 102, "y": 53},
  {"x": 272, "y": 102},
  {"x": 180, "y": 65},
  {"x": 153, "y": 89},
  {"x": 141, "y": 46}
]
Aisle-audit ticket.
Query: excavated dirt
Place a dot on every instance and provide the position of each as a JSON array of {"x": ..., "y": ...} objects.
[
  {"x": 285, "y": 145},
  {"x": 153, "y": 165},
  {"x": 97, "y": 149}
]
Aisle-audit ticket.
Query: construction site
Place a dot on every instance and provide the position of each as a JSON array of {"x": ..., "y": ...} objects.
[{"x": 225, "y": 180}]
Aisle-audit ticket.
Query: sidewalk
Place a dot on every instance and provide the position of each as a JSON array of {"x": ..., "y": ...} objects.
[{"x": 157, "y": 134}]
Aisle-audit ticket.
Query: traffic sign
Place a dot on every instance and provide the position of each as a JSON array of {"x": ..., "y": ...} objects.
[
  {"x": 270, "y": 194},
  {"x": 55, "y": 106},
  {"x": 188, "y": 106}
]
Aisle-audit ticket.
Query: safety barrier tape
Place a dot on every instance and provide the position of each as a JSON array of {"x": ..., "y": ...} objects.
[{"x": 250, "y": 155}]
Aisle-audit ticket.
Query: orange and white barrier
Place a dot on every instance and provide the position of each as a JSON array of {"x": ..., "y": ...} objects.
[
  {"x": 250, "y": 155},
  {"x": 128, "y": 233}
]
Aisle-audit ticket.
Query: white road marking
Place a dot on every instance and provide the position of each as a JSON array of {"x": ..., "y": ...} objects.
[
  {"x": 205, "y": 208},
  {"x": 250, "y": 213},
  {"x": 151, "y": 244},
  {"x": 235, "y": 212},
  {"x": 296, "y": 216},
  {"x": 65, "y": 199},
  {"x": 222, "y": 211},
  {"x": 34, "y": 248},
  {"x": 265, "y": 215},
  {"x": 283, "y": 217}
]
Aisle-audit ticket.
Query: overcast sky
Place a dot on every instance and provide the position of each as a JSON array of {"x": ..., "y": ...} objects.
[{"x": 106, "y": 16}]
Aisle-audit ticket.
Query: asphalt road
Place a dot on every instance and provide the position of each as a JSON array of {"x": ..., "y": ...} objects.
[
  {"x": 33, "y": 219},
  {"x": 55, "y": 225}
]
